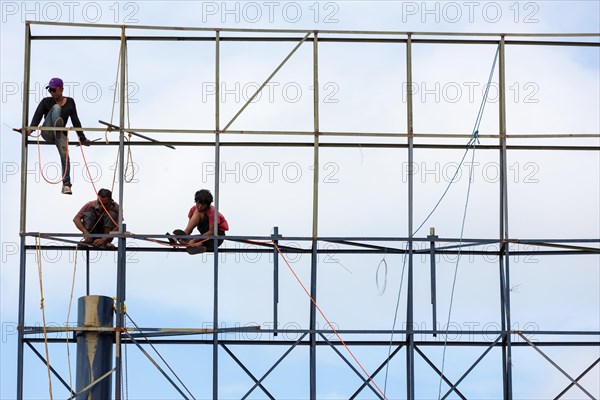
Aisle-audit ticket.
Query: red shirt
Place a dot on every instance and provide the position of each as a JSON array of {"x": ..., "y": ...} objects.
[{"x": 222, "y": 222}]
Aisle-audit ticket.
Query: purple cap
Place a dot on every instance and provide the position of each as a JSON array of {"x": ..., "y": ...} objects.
[{"x": 55, "y": 83}]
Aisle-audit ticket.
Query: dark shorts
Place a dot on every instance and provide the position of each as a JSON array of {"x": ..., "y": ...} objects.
[
  {"x": 101, "y": 225},
  {"x": 203, "y": 226}
]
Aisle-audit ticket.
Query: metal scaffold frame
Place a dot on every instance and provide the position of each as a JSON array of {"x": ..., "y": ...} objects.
[{"x": 313, "y": 338}]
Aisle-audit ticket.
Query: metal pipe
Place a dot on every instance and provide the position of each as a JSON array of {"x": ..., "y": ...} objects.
[
  {"x": 23, "y": 211},
  {"x": 215, "y": 352},
  {"x": 316, "y": 134},
  {"x": 20, "y": 326},
  {"x": 326, "y": 39},
  {"x": 87, "y": 272},
  {"x": 504, "y": 214},
  {"x": 410, "y": 347},
  {"x": 315, "y": 222},
  {"x": 443, "y": 135},
  {"x": 120, "y": 301},
  {"x": 433, "y": 237},
  {"x": 312, "y": 324},
  {"x": 94, "y": 349},
  {"x": 355, "y": 32}
]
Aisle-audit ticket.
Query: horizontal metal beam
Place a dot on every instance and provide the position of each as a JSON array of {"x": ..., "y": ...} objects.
[
  {"x": 323, "y": 31},
  {"x": 321, "y": 39},
  {"x": 382, "y": 342},
  {"x": 321, "y": 238},
  {"x": 323, "y": 251}
]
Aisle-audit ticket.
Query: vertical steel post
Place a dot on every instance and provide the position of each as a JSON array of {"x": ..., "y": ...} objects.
[
  {"x": 87, "y": 272},
  {"x": 275, "y": 279},
  {"x": 215, "y": 361},
  {"x": 94, "y": 349},
  {"x": 432, "y": 237},
  {"x": 121, "y": 256},
  {"x": 316, "y": 139},
  {"x": 315, "y": 230},
  {"x": 504, "y": 223},
  {"x": 410, "y": 340},
  {"x": 22, "y": 223}
]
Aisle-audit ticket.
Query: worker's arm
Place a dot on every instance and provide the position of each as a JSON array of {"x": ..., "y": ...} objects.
[{"x": 79, "y": 224}]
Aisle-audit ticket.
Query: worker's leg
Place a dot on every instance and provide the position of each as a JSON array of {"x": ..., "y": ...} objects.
[
  {"x": 90, "y": 222},
  {"x": 62, "y": 142},
  {"x": 193, "y": 222},
  {"x": 109, "y": 222},
  {"x": 50, "y": 120}
]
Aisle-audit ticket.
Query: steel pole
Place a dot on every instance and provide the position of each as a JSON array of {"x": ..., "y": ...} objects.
[
  {"x": 215, "y": 355},
  {"x": 121, "y": 251},
  {"x": 504, "y": 217},
  {"x": 410, "y": 340},
  {"x": 94, "y": 349},
  {"x": 313, "y": 269},
  {"x": 23, "y": 209}
]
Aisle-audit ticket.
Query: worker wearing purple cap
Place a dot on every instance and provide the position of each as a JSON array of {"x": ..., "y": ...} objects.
[{"x": 56, "y": 110}]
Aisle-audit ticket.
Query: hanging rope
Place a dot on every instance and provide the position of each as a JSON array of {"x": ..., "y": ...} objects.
[
  {"x": 475, "y": 141},
  {"x": 470, "y": 146},
  {"x": 380, "y": 288},
  {"x": 39, "y": 259}
]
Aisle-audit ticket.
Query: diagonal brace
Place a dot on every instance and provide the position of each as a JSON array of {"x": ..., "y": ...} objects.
[
  {"x": 365, "y": 381},
  {"x": 288, "y": 351},
  {"x": 243, "y": 367},
  {"x": 577, "y": 379},
  {"x": 432, "y": 365},
  {"x": 156, "y": 365},
  {"x": 383, "y": 364},
  {"x": 472, "y": 366},
  {"x": 573, "y": 381},
  {"x": 267, "y": 81},
  {"x": 37, "y": 353}
]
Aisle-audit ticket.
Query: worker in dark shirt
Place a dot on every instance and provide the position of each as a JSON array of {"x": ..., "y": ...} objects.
[{"x": 56, "y": 110}]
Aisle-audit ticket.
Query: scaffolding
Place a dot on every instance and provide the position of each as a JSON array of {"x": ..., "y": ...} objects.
[{"x": 313, "y": 337}]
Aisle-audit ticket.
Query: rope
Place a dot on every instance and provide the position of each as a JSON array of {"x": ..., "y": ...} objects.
[
  {"x": 470, "y": 145},
  {"x": 112, "y": 113},
  {"x": 475, "y": 140},
  {"x": 40, "y": 157},
  {"x": 369, "y": 377},
  {"x": 381, "y": 290},
  {"x": 67, "y": 324},
  {"x": 462, "y": 228},
  {"x": 39, "y": 258}
]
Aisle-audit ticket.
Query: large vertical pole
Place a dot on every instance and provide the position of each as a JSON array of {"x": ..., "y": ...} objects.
[
  {"x": 121, "y": 256},
  {"x": 410, "y": 340},
  {"x": 315, "y": 230},
  {"x": 506, "y": 343},
  {"x": 94, "y": 349},
  {"x": 22, "y": 226},
  {"x": 217, "y": 179}
]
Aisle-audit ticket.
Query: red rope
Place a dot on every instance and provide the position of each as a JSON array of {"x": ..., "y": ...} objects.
[{"x": 369, "y": 378}]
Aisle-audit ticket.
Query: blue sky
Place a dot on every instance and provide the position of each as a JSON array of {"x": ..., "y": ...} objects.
[{"x": 362, "y": 191}]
